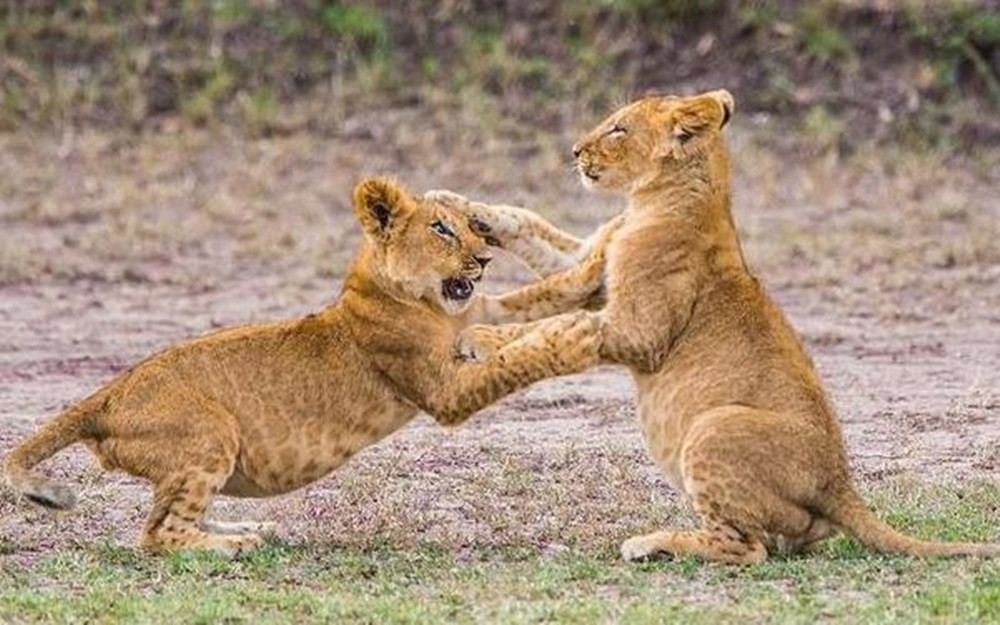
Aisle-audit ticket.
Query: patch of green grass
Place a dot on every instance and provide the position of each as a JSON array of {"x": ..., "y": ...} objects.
[
  {"x": 360, "y": 26},
  {"x": 260, "y": 110},
  {"x": 822, "y": 38},
  {"x": 431, "y": 582},
  {"x": 661, "y": 10},
  {"x": 230, "y": 13},
  {"x": 822, "y": 129},
  {"x": 226, "y": 61},
  {"x": 961, "y": 36},
  {"x": 424, "y": 584},
  {"x": 214, "y": 88}
]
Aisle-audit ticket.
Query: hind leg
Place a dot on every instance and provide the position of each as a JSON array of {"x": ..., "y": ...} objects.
[
  {"x": 187, "y": 446},
  {"x": 712, "y": 541},
  {"x": 175, "y": 523},
  {"x": 719, "y": 538},
  {"x": 745, "y": 472},
  {"x": 820, "y": 530}
]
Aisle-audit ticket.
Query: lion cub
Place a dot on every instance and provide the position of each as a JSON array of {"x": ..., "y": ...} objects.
[
  {"x": 263, "y": 409},
  {"x": 731, "y": 406}
]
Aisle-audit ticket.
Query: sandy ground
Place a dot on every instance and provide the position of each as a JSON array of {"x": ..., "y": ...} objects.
[{"x": 113, "y": 247}]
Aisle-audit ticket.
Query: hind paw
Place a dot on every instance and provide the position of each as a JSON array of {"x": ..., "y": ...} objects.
[
  {"x": 638, "y": 549},
  {"x": 231, "y": 545},
  {"x": 265, "y": 528}
]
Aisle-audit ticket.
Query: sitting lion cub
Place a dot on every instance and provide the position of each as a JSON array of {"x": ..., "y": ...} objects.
[
  {"x": 260, "y": 410},
  {"x": 731, "y": 406}
]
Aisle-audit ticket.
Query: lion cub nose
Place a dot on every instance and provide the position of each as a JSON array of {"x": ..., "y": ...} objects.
[
  {"x": 482, "y": 261},
  {"x": 577, "y": 151}
]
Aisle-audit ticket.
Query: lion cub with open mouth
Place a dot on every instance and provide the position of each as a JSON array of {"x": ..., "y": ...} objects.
[{"x": 263, "y": 409}]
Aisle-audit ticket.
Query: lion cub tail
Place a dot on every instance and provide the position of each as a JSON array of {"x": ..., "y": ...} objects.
[
  {"x": 73, "y": 425},
  {"x": 851, "y": 513}
]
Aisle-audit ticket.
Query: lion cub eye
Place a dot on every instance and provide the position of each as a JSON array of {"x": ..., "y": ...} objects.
[
  {"x": 617, "y": 130},
  {"x": 441, "y": 228}
]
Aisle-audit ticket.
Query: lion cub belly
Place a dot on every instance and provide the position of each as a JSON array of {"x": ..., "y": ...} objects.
[
  {"x": 663, "y": 431},
  {"x": 304, "y": 452},
  {"x": 274, "y": 474}
]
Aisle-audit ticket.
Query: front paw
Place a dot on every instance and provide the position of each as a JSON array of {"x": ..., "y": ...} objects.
[
  {"x": 580, "y": 339},
  {"x": 482, "y": 219},
  {"x": 590, "y": 281},
  {"x": 474, "y": 344},
  {"x": 450, "y": 199}
]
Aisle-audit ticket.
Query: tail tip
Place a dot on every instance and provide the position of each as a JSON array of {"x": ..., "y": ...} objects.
[
  {"x": 991, "y": 550},
  {"x": 51, "y": 496}
]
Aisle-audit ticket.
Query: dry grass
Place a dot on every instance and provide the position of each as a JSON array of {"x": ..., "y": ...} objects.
[{"x": 109, "y": 207}]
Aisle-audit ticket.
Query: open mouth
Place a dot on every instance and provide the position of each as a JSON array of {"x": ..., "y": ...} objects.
[{"x": 457, "y": 289}]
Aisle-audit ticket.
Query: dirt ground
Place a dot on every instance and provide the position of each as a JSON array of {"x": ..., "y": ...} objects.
[{"x": 112, "y": 247}]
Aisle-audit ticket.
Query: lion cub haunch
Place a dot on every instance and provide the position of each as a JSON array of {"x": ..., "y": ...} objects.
[{"x": 262, "y": 409}]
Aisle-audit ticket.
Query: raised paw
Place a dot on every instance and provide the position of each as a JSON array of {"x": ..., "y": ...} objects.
[
  {"x": 477, "y": 343},
  {"x": 580, "y": 341},
  {"x": 447, "y": 198},
  {"x": 483, "y": 219},
  {"x": 590, "y": 273}
]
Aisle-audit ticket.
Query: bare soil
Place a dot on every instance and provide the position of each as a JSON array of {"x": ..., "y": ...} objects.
[{"x": 112, "y": 247}]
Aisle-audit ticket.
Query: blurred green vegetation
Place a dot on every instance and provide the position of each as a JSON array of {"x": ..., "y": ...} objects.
[{"x": 920, "y": 69}]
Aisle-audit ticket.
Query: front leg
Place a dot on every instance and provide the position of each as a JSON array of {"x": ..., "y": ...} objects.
[
  {"x": 456, "y": 390},
  {"x": 581, "y": 286},
  {"x": 479, "y": 342},
  {"x": 649, "y": 305},
  {"x": 541, "y": 246}
]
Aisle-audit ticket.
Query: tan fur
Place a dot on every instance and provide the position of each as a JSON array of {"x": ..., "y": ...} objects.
[
  {"x": 574, "y": 270},
  {"x": 731, "y": 406},
  {"x": 260, "y": 410},
  {"x": 539, "y": 244}
]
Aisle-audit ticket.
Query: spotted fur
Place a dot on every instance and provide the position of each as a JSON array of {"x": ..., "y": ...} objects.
[
  {"x": 264, "y": 409},
  {"x": 732, "y": 408}
]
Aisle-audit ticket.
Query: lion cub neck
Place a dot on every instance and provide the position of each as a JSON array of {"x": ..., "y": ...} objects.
[
  {"x": 367, "y": 287},
  {"x": 693, "y": 197}
]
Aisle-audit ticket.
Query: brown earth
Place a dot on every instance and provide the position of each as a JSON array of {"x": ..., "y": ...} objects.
[{"x": 113, "y": 246}]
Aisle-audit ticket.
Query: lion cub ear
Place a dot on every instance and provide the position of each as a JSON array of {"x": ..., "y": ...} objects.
[
  {"x": 696, "y": 119},
  {"x": 381, "y": 205}
]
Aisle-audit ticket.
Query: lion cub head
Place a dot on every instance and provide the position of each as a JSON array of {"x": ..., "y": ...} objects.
[
  {"x": 420, "y": 249},
  {"x": 632, "y": 145}
]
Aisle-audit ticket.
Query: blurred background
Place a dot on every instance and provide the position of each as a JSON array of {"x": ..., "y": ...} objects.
[
  {"x": 921, "y": 71},
  {"x": 153, "y": 141}
]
